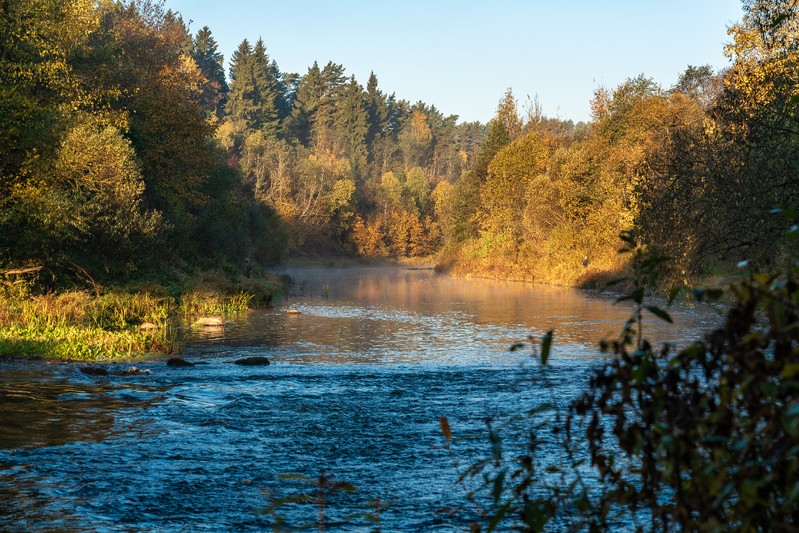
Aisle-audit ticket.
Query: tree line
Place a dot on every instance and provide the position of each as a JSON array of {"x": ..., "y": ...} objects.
[{"x": 126, "y": 144}]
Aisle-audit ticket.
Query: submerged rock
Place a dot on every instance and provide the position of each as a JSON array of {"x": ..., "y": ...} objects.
[
  {"x": 209, "y": 321},
  {"x": 132, "y": 371},
  {"x": 94, "y": 370},
  {"x": 252, "y": 361},
  {"x": 178, "y": 362}
]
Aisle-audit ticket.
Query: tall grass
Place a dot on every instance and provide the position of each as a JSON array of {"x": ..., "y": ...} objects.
[{"x": 84, "y": 326}]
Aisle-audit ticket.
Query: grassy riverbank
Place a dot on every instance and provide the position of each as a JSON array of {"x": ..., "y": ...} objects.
[{"x": 112, "y": 323}]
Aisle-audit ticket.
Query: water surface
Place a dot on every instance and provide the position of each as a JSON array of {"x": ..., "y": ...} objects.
[{"x": 357, "y": 385}]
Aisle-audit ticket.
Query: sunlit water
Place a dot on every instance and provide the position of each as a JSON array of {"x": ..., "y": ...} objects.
[{"x": 356, "y": 388}]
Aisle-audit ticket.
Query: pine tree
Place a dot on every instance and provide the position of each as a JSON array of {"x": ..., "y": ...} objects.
[
  {"x": 306, "y": 102},
  {"x": 324, "y": 122},
  {"x": 266, "y": 91},
  {"x": 240, "y": 105},
  {"x": 352, "y": 124},
  {"x": 254, "y": 90},
  {"x": 377, "y": 109},
  {"x": 211, "y": 63}
]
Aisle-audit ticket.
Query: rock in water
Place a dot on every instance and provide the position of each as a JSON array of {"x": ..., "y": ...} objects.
[
  {"x": 178, "y": 362},
  {"x": 132, "y": 371},
  {"x": 209, "y": 321},
  {"x": 252, "y": 361},
  {"x": 293, "y": 312},
  {"x": 94, "y": 370}
]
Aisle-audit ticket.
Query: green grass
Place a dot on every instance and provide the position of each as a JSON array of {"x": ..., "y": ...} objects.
[
  {"x": 78, "y": 325},
  {"x": 81, "y": 343}
]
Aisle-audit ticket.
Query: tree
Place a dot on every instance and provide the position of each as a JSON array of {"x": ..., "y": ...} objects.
[
  {"x": 416, "y": 140},
  {"x": 352, "y": 125},
  {"x": 306, "y": 102},
  {"x": 254, "y": 97},
  {"x": 508, "y": 114},
  {"x": 211, "y": 64}
]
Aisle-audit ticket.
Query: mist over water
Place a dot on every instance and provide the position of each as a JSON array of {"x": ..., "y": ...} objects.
[{"x": 357, "y": 385}]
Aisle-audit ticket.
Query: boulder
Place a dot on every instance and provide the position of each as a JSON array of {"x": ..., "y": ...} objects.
[
  {"x": 252, "y": 361},
  {"x": 178, "y": 363},
  {"x": 94, "y": 370}
]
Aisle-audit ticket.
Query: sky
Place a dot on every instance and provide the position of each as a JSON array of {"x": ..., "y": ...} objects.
[{"x": 461, "y": 56}]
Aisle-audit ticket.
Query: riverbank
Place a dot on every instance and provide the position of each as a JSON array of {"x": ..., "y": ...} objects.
[{"x": 121, "y": 322}]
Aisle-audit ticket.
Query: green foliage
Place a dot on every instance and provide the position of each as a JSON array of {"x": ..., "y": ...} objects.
[
  {"x": 710, "y": 432},
  {"x": 702, "y": 440}
]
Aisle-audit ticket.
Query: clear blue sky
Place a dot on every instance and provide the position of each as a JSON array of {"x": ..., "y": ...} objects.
[{"x": 461, "y": 55}]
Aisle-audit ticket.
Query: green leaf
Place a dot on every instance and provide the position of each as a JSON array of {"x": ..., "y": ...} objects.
[
  {"x": 637, "y": 296},
  {"x": 546, "y": 346},
  {"x": 345, "y": 486},
  {"x": 673, "y": 292},
  {"x": 498, "y": 516},
  {"x": 499, "y": 486},
  {"x": 658, "y": 312}
]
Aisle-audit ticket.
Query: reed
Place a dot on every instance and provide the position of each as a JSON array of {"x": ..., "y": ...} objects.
[{"x": 80, "y": 325}]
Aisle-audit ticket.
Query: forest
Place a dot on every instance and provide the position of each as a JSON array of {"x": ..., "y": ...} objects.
[
  {"x": 128, "y": 146},
  {"x": 142, "y": 180}
]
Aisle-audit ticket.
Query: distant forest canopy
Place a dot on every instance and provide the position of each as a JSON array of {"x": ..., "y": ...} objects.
[{"x": 126, "y": 145}]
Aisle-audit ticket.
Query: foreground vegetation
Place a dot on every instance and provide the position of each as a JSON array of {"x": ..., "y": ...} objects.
[{"x": 118, "y": 323}]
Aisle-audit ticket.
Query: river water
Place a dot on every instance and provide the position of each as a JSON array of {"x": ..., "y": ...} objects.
[{"x": 356, "y": 388}]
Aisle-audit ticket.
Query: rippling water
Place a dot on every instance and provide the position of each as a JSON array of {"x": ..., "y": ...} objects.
[{"x": 355, "y": 390}]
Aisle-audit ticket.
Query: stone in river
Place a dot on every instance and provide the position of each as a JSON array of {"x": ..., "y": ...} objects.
[
  {"x": 178, "y": 362},
  {"x": 252, "y": 361},
  {"x": 209, "y": 321},
  {"x": 94, "y": 370}
]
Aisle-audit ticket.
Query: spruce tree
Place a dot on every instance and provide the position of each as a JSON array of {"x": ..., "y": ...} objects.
[
  {"x": 266, "y": 95},
  {"x": 211, "y": 64},
  {"x": 240, "y": 105},
  {"x": 352, "y": 124},
  {"x": 377, "y": 109},
  {"x": 306, "y": 103}
]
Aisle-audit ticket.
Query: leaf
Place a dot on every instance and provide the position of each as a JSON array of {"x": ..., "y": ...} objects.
[
  {"x": 516, "y": 346},
  {"x": 637, "y": 296},
  {"x": 498, "y": 516},
  {"x": 546, "y": 346},
  {"x": 658, "y": 312},
  {"x": 499, "y": 486},
  {"x": 673, "y": 292},
  {"x": 345, "y": 486},
  {"x": 445, "y": 429}
]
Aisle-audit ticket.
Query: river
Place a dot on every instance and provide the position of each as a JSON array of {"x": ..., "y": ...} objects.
[{"x": 356, "y": 388}]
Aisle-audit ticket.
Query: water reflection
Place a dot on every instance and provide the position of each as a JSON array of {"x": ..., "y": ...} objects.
[
  {"x": 40, "y": 407},
  {"x": 394, "y": 315}
]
